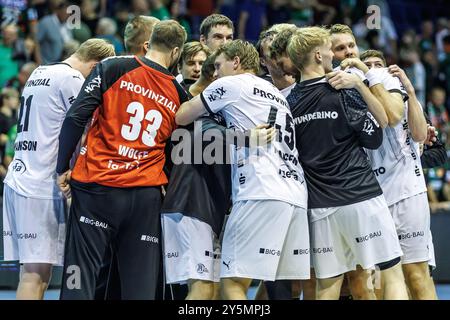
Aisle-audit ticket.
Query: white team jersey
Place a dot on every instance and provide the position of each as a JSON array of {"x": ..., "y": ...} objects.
[
  {"x": 396, "y": 163},
  {"x": 259, "y": 173},
  {"x": 353, "y": 70},
  {"x": 45, "y": 99},
  {"x": 286, "y": 91}
]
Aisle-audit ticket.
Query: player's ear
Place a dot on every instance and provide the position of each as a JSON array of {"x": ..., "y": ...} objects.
[
  {"x": 236, "y": 62},
  {"x": 318, "y": 56},
  {"x": 203, "y": 39},
  {"x": 145, "y": 47}
]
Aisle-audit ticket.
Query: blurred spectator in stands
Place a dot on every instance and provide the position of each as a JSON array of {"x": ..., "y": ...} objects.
[
  {"x": 179, "y": 12},
  {"x": 140, "y": 8},
  {"x": 107, "y": 29},
  {"x": 409, "y": 40},
  {"x": 302, "y": 12},
  {"x": 83, "y": 33},
  {"x": 350, "y": 11},
  {"x": 415, "y": 71},
  {"x": 431, "y": 64},
  {"x": 426, "y": 40},
  {"x": 438, "y": 114},
  {"x": 442, "y": 30},
  {"x": 53, "y": 32},
  {"x": 8, "y": 66},
  {"x": 199, "y": 10},
  {"x": 122, "y": 16},
  {"x": 159, "y": 10},
  {"x": 89, "y": 14},
  {"x": 444, "y": 68},
  {"x": 252, "y": 19},
  {"x": 278, "y": 12},
  {"x": 230, "y": 9},
  {"x": 19, "y": 81},
  {"x": 387, "y": 34},
  {"x": 9, "y": 99},
  {"x": 26, "y": 51},
  {"x": 9, "y": 103}
]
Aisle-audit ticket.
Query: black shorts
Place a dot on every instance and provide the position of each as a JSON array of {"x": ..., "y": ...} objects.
[{"x": 124, "y": 219}]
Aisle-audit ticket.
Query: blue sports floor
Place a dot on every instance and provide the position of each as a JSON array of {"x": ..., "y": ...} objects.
[{"x": 443, "y": 291}]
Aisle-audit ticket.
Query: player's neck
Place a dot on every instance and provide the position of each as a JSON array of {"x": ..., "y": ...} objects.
[
  {"x": 283, "y": 82},
  {"x": 312, "y": 72},
  {"x": 158, "y": 57},
  {"x": 73, "y": 62}
]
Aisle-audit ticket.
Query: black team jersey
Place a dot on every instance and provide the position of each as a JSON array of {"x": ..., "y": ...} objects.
[
  {"x": 332, "y": 127},
  {"x": 199, "y": 190}
]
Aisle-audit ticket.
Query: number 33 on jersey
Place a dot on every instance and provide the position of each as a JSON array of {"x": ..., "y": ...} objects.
[{"x": 137, "y": 101}]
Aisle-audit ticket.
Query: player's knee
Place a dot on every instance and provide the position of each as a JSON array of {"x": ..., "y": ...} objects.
[
  {"x": 201, "y": 289},
  {"x": 360, "y": 289},
  {"x": 33, "y": 278},
  {"x": 417, "y": 278}
]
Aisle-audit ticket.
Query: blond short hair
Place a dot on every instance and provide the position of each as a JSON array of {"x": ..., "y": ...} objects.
[
  {"x": 246, "y": 52},
  {"x": 280, "y": 27},
  {"x": 303, "y": 42},
  {"x": 341, "y": 28},
  {"x": 167, "y": 35},
  {"x": 137, "y": 31},
  {"x": 95, "y": 50},
  {"x": 373, "y": 54},
  {"x": 190, "y": 49}
]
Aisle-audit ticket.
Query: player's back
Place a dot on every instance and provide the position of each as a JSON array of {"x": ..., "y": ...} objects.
[
  {"x": 327, "y": 129},
  {"x": 137, "y": 100},
  {"x": 46, "y": 97},
  {"x": 260, "y": 173}
]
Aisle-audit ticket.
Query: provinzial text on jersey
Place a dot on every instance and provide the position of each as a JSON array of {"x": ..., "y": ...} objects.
[
  {"x": 38, "y": 82},
  {"x": 270, "y": 96},
  {"x": 159, "y": 98},
  {"x": 25, "y": 145}
]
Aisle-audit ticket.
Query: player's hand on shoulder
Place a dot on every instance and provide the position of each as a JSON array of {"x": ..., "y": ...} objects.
[
  {"x": 355, "y": 63},
  {"x": 343, "y": 80},
  {"x": 431, "y": 136},
  {"x": 63, "y": 181}
]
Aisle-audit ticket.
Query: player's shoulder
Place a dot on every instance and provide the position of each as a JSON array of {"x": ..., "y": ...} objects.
[
  {"x": 119, "y": 61},
  {"x": 54, "y": 76}
]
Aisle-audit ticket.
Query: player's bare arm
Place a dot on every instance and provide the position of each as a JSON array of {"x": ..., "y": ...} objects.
[
  {"x": 416, "y": 120},
  {"x": 190, "y": 111},
  {"x": 343, "y": 80},
  {"x": 391, "y": 101}
]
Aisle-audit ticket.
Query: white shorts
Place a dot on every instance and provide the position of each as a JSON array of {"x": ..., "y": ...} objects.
[
  {"x": 34, "y": 230},
  {"x": 362, "y": 234},
  {"x": 191, "y": 249},
  {"x": 412, "y": 221},
  {"x": 266, "y": 240}
]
